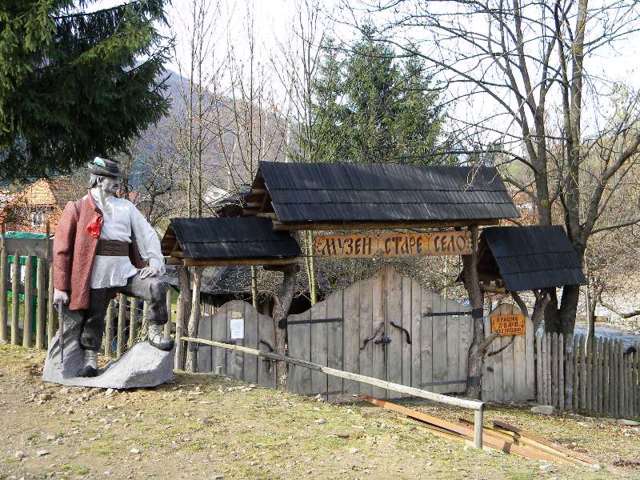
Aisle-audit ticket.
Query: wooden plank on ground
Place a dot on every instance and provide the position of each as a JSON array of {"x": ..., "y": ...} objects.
[
  {"x": 351, "y": 329},
  {"x": 335, "y": 349}
]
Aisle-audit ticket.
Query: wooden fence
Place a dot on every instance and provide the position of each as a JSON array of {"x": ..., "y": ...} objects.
[
  {"x": 27, "y": 313},
  {"x": 596, "y": 380}
]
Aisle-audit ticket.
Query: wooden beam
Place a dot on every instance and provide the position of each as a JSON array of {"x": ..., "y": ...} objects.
[
  {"x": 376, "y": 382},
  {"x": 277, "y": 225},
  {"x": 192, "y": 262},
  {"x": 269, "y": 215}
]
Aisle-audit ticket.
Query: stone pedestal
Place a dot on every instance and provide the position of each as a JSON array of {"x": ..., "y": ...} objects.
[{"x": 141, "y": 366}]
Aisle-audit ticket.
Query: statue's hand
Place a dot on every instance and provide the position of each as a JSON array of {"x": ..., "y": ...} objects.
[
  {"x": 149, "y": 272},
  {"x": 60, "y": 297}
]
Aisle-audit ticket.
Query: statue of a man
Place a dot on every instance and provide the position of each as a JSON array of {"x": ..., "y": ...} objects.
[{"x": 103, "y": 245}]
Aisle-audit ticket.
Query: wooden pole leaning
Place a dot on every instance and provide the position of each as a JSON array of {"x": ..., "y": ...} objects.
[{"x": 475, "y": 405}]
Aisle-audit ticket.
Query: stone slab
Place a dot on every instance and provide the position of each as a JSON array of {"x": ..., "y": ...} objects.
[{"x": 141, "y": 366}]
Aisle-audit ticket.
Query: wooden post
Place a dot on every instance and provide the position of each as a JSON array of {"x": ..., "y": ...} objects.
[
  {"x": 133, "y": 322},
  {"x": 51, "y": 312},
  {"x": 167, "y": 326},
  {"x": 280, "y": 313},
  {"x": 184, "y": 304},
  {"x": 42, "y": 302},
  {"x": 194, "y": 319},
  {"x": 477, "y": 427},
  {"x": 108, "y": 337},
  {"x": 28, "y": 302},
  {"x": 479, "y": 345},
  {"x": 122, "y": 313},
  {"x": 3, "y": 288},
  {"x": 15, "y": 298}
]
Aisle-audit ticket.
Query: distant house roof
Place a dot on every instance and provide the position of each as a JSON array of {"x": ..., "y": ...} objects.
[
  {"x": 528, "y": 258},
  {"x": 339, "y": 193},
  {"x": 227, "y": 239}
]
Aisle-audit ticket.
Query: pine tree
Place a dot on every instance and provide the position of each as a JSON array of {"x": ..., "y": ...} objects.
[
  {"x": 76, "y": 83},
  {"x": 371, "y": 107}
]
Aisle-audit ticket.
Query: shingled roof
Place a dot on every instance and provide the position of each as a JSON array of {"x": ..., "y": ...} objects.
[
  {"x": 227, "y": 239},
  {"x": 529, "y": 258},
  {"x": 338, "y": 193}
]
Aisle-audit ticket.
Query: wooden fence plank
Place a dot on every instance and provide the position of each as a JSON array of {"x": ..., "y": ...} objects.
[
  {"x": 601, "y": 384},
  {"x": 426, "y": 341},
  {"x": 266, "y": 342},
  {"x": 406, "y": 323},
  {"x": 219, "y": 333},
  {"x": 568, "y": 376},
  {"x": 488, "y": 375},
  {"x": 122, "y": 318},
  {"x": 561, "y": 384},
  {"x": 51, "y": 313},
  {"x": 416, "y": 335},
  {"x": 366, "y": 331},
  {"x": 583, "y": 377},
  {"x": 250, "y": 362},
  {"x": 28, "y": 303},
  {"x": 319, "y": 348},
  {"x": 521, "y": 391},
  {"x": 453, "y": 349},
  {"x": 351, "y": 334},
  {"x": 108, "y": 329},
  {"x": 41, "y": 314},
  {"x": 168, "y": 305},
  {"x": 606, "y": 404},
  {"x": 554, "y": 369},
  {"x": 205, "y": 352},
  {"x": 392, "y": 290},
  {"x": 335, "y": 347},
  {"x": 589, "y": 375},
  {"x": 539, "y": 366},
  {"x": 299, "y": 380},
  {"x": 15, "y": 296},
  {"x": 508, "y": 373},
  {"x": 133, "y": 322},
  {"x": 378, "y": 316},
  {"x": 530, "y": 355},
  {"x": 4, "y": 285},
  {"x": 621, "y": 398}
]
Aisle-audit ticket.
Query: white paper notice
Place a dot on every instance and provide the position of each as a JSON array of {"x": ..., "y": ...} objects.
[{"x": 237, "y": 328}]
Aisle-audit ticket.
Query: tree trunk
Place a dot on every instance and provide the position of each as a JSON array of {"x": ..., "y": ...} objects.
[
  {"x": 184, "y": 310},
  {"x": 282, "y": 303},
  {"x": 478, "y": 347}
]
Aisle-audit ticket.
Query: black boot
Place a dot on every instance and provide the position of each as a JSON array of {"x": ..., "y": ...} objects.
[
  {"x": 90, "y": 368},
  {"x": 157, "y": 338}
]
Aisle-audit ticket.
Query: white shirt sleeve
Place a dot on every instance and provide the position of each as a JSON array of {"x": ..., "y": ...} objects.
[{"x": 146, "y": 239}]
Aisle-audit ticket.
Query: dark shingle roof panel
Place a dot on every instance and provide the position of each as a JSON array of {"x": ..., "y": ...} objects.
[
  {"x": 231, "y": 238},
  {"x": 345, "y": 192},
  {"x": 534, "y": 257}
]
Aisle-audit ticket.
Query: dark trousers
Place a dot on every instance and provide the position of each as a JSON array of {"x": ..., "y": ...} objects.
[{"x": 151, "y": 289}]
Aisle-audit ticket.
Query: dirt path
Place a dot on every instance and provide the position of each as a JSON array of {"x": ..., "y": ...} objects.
[{"x": 211, "y": 427}]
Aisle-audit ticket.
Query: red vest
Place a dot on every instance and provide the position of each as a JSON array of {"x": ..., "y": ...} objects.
[{"x": 74, "y": 249}]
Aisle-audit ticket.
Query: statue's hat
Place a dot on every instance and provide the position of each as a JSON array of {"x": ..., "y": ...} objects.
[{"x": 105, "y": 167}]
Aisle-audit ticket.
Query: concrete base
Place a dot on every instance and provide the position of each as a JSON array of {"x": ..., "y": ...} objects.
[{"x": 141, "y": 366}]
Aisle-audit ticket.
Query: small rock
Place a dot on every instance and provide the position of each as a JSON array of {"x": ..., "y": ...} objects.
[
  {"x": 543, "y": 409},
  {"x": 218, "y": 477},
  {"x": 135, "y": 451},
  {"x": 353, "y": 451},
  {"x": 51, "y": 438},
  {"x": 546, "y": 467},
  {"x": 321, "y": 421},
  {"x": 109, "y": 392},
  {"x": 106, "y": 473},
  {"x": 20, "y": 455},
  {"x": 42, "y": 453},
  {"x": 628, "y": 423}
]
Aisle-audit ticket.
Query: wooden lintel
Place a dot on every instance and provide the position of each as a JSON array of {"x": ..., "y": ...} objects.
[
  {"x": 269, "y": 215},
  {"x": 192, "y": 262},
  {"x": 379, "y": 225}
]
